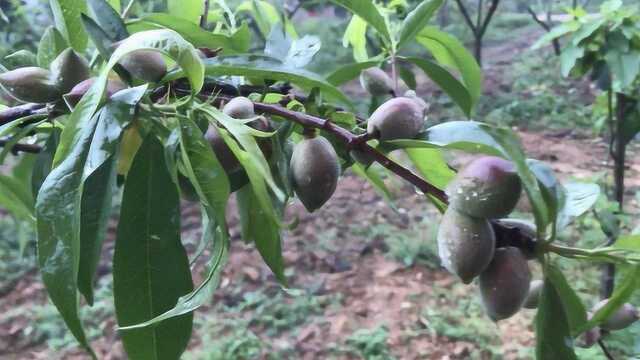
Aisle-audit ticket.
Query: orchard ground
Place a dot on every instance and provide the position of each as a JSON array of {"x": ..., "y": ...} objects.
[{"x": 366, "y": 278}]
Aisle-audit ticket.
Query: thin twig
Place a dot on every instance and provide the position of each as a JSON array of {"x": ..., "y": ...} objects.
[
  {"x": 205, "y": 15},
  {"x": 20, "y": 111},
  {"x": 487, "y": 18},
  {"x": 28, "y": 148},
  {"x": 465, "y": 15},
  {"x": 605, "y": 350}
]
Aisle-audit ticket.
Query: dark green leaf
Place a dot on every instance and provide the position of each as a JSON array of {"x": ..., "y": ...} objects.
[
  {"x": 20, "y": 58},
  {"x": 367, "y": 10},
  {"x": 150, "y": 266},
  {"x": 15, "y": 198},
  {"x": 349, "y": 72},
  {"x": 447, "y": 82},
  {"x": 108, "y": 19},
  {"x": 58, "y": 227},
  {"x": 417, "y": 20},
  {"x": 407, "y": 76},
  {"x": 42, "y": 166},
  {"x": 260, "y": 228},
  {"x": 66, "y": 15},
  {"x": 573, "y": 307},
  {"x": 268, "y": 68},
  {"x": 450, "y": 52},
  {"x": 553, "y": 337},
  {"x": 191, "y": 32},
  {"x": 570, "y": 55},
  {"x": 51, "y": 45},
  {"x": 625, "y": 67}
]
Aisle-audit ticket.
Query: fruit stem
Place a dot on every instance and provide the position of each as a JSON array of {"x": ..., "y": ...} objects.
[{"x": 604, "y": 254}]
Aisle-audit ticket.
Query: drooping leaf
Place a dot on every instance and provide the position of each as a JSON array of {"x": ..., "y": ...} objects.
[
  {"x": 372, "y": 175},
  {"x": 433, "y": 167},
  {"x": 20, "y": 58},
  {"x": 368, "y": 11},
  {"x": 165, "y": 41},
  {"x": 264, "y": 232},
  {"x": 44, "y": 160},
  {"x": 625, "y": 67},
  {"x": 553, "y": 337},
  {"x": 448, "y": 51},
  {"x": 268, "y": 68},
  {"x": 51, "y": 45},
  {"x": 349, "y": 72},
  {"x": 569, "y": 57},
  {"x": 15, "y": 198},
  {"x": 407, "y": 76},
  {"x": 192, "y": 32},
  {"x": 109, "y": 19},
  {"x": 58, "y": 229},
  {"x": 574, "y": 309},
  {"x": 447, "y": 82},
  {"x": 150, "y": 265},
  {"x": 416, "y": 20},
  {"x": 66, "y": 16}
]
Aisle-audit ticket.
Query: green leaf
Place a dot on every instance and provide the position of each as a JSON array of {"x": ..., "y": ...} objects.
[
  {"x": 447, "y": 82},
  {"x": 16, "y": 198},
  {"x": 450, "y": 52},
  {"x": 624, "y": 289},
  {"x": 193, "y": 33},
  {"x": 407, "y": 76},
  {"x": 416, "y": 20},
  {"x": 108, "y": 19},
  {"x": 66, "y": 16},
  {"x": 150, "y": 265},
  {"x": 356, "y": 35},
  {"x": 51, "y": 45},
  {"x": 433, "y": 167},
  {"x": 44, "y": 160},
  {"x": 556, "y": 32},
  {"x": 20, "y": 58},
  {"x": 100, "y": 174},
  {"x": 372, "y": 175},
  {"x": 58, "y": 228},
  {"x": 568, "y": 58},
  {"x": 553, "y": 337},
  {"x": 260, "y": 228},
  {"x": 268, "y": 68},
  {"x": 349, "y": 72},
  {"x": 166, "y": 41},
  {"x": 579, "y": 198},
  {"x": 574, "y": 309},
  {"x": 189, "y": 10},
  {"x": 625, "y": 67},
  {"x": 368, "y": 11}
]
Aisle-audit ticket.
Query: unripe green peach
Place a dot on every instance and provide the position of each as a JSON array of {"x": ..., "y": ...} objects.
[
  {"x": 398, "y": 118},
  {"x": 69, "y": 69},
  {"x": 239, "y": 108},
  {"x": 626, "y": 315},
  {"x": 533, "y": 297},
  {"x": 375, "y": 81},
  {"x": 465, "y": 244},
  {"x": 315, "y": 170},
  {"x": 504, "y": 285},
  {"x": 73, "y": 97},
  {"x": 30, "y": 84},
  {"x": 147, "y": 65},
  {"x": 223, "y": 153},
  {"x": 487, "y": 187}
]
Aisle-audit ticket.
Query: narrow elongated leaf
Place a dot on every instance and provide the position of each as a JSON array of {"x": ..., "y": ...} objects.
[
  {"x": 15, "y": 199},
  {"x": 150, "y": 266},
  {"x": 368, "y": 11},
  {"x": 573, "y": 307},
  {"x": 264, "y": 232},
  {"x": 192, "y": 32},
  {"x": 579, "y": 198},
  {"x": 165, "y": 41},
  {"x": 66, "y": 15},
  {"x": 99, "y": 175},
  {"x": 349, "y": 72},
  {"x": 450, "y": 52},
  {"x": 51, "y": 45},
  {"x": 189, "y": 10},
  {"x": 447, "y": 82},
  {"x": 553, "y": 337},
  {"x": 44, "y": 160},
  {"x": 212, "y": 187},
  {"x": 268, "y": 68},
  {"x": 58, "y": 227},
  {"x": 108, "y": 19},
  {"x": 433, "y": 167},
  {"x": 356, "y": 36},
  {"x": 417, "y": 20}
]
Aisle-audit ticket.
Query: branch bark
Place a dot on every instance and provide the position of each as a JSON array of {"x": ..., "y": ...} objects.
[{"x": 545, "y": 25}]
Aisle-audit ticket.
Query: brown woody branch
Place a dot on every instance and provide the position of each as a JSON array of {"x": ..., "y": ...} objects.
[{"x": 27, "y": 148}]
